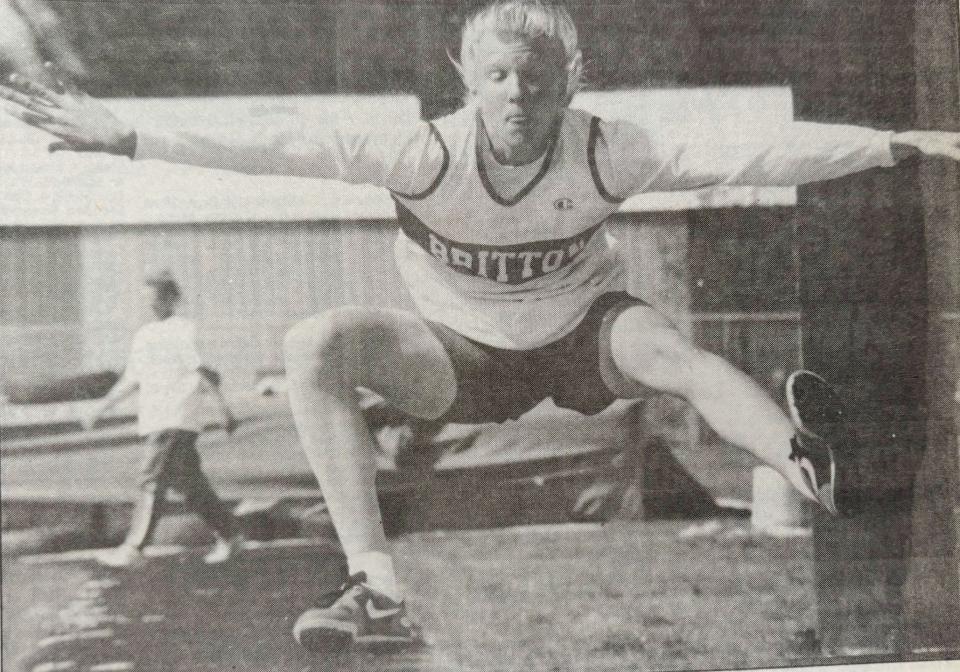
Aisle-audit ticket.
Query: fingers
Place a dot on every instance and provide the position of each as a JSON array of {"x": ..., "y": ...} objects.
[
  {"x": 28, "y": 109},
  {"x": 34, "y": 89},
  {"x": 16, "y": 97},
  {"x": 26, "y": 116},
  {"x": 946, "y": 145},
  {"x": 61, "y": 146}
]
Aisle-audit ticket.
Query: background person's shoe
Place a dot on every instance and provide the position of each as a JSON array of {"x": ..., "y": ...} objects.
[
  {"x": 357, "y": 614},
  {"x": 823, "y": 440},
  {"x": 122, "y": 556},
  {"x": 224, "y": 549}
]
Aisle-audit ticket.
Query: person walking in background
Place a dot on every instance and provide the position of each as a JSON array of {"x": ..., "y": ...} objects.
[{"x": 165, "y": 368}]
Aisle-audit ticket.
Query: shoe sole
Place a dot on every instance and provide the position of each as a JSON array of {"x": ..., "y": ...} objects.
[
  {"x": 826, "y": 492},
  {"x": 131, "y": 564},
  {"x": 331, "y": 635},
  {"x": 325, "y": 636},
  {"x": 375, "y": 640},
  {"x": 794, "y": 402}
]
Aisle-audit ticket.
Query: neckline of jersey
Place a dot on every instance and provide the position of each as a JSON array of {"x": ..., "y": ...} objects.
[{"x": 481, "y": 132}]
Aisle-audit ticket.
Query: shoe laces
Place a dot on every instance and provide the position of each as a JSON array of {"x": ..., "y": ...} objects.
[
  {"x": 328, "y": 598},
  {"x": 797, "y": 450}
]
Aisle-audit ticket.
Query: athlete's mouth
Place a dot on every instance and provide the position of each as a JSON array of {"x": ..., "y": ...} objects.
[{"x": 519, "y": 119}]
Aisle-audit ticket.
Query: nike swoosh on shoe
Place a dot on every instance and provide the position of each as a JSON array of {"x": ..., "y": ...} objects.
[{"x": 376, "y": 614}]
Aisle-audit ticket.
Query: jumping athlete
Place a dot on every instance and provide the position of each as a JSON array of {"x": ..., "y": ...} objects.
[{"x": 518, "y": 286}]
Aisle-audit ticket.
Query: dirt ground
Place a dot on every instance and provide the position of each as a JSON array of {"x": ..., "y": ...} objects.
[{"x": 623, "y": 596}]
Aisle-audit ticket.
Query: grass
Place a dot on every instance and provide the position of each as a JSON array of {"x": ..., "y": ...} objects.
[{"x": 625, "y": 596}]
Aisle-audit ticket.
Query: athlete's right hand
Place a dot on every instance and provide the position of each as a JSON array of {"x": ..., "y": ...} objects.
[{"x": 82, "y": 123}]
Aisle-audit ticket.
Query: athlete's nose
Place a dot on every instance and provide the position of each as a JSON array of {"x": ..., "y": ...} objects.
[{"x": 515, "y": 88}]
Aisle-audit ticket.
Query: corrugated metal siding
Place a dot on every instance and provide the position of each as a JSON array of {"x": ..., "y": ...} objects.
[
  {"x": 245, "y": 285},
  {"x": 39, "y": 279},
  {"x": 40, "y": 316}
]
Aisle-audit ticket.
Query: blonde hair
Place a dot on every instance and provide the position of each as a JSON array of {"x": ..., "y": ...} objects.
[{"x": 528, "y": 20}]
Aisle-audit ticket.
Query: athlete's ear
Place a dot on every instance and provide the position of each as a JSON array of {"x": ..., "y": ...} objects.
[
  {"x": 457, "y": 65},
  {"x": 574, "y": 75}
]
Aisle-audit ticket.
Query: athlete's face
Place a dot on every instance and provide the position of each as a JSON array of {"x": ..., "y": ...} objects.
[{"x": 521, "y": 91}]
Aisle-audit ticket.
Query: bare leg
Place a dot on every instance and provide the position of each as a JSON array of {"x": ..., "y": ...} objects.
[
  {"x": 392, "y": 353},
  {"x": 647, "y": 348}
]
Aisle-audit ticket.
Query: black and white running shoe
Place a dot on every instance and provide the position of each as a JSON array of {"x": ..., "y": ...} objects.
[
  {"x": 357, "y": 615},
  {"x": 823, "y": 439}
]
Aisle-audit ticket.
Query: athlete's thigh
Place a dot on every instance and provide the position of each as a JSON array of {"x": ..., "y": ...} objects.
[
  {"x": 395, "y": 354},
  {"x": 648, "y": 348}
]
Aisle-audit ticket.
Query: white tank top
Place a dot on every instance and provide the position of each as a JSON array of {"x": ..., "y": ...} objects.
[{"x": 513, "y": 272}]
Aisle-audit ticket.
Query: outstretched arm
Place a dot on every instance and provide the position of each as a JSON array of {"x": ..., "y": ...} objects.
[
  {"x": 405, "y": 159},
  {"x": 640, "y": 160}
]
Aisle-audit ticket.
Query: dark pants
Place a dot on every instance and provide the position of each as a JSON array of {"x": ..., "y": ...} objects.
[{"x": 171, "y": 461}]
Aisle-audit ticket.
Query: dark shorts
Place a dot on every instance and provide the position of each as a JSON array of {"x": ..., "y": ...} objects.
[{"x": 577, "y": 371}]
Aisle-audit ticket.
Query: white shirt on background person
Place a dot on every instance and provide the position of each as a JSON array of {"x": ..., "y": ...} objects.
[{"x": 163, "y": 362}]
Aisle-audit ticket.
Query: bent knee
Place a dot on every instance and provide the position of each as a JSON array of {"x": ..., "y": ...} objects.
[{"x": 322, "y": 341}]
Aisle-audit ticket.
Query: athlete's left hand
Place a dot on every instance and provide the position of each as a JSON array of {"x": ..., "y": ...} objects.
[
  {"x": 927, "y": 143},
  {"x": 80, "y": 123}
]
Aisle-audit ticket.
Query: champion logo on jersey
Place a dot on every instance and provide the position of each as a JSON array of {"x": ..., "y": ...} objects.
[{"x": 563, "y": 204}]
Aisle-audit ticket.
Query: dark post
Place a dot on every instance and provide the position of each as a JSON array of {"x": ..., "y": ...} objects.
[
  {"x": 932, "y": 593},
  {"x": 878, "y": 282}
]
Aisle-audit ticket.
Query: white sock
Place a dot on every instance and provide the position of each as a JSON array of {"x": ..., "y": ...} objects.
[{"x": 378, "y": 567}]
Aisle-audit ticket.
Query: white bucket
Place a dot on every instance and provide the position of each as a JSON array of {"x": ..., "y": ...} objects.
[{"x": 778, "y": 509}]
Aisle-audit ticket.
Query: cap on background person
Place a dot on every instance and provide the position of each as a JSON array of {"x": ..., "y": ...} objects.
[{"x": 164, "y": 282}]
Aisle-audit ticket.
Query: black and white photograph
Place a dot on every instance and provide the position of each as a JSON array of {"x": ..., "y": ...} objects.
[{"x": 479, "y": 335}]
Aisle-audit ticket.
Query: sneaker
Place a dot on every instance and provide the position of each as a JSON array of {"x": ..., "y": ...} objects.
[
  {"x": 224, "y": 549},
  {"x": 122, "y": 556},
  {"x": 357, "y": 614},
  {"x": 822, "y": 439}
]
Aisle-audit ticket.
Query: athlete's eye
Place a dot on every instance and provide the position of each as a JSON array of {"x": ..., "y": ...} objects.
[{"x": 497, "y": 75}]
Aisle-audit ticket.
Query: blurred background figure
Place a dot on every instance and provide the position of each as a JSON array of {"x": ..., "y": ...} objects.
[
  {"x": 31, "y": 34},
  {"x": 165, "y": 368}
]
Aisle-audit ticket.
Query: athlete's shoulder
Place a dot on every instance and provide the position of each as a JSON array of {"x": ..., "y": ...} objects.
[
  {"x": 575, "y": 118},
  {"x": 463, "y": 117},
  {"x": 456, "y": 128},
  {"x": 428, "y": 155}
]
